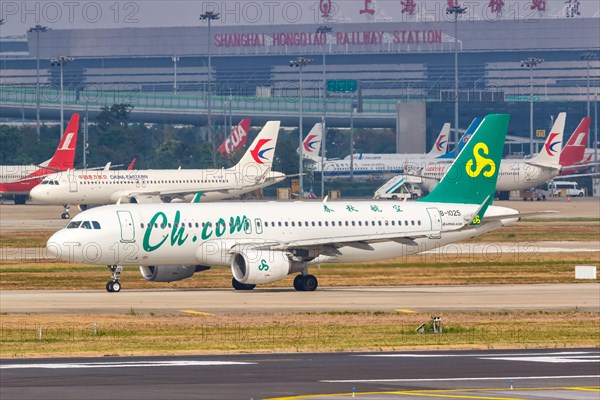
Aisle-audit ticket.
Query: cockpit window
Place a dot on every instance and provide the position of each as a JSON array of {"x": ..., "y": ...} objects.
[
  {"x": 96, "y": 224},
  {"x": 73, "y": 224},
  {"x": 86, "y": 225},
  {"x": 45, "y": 182}
]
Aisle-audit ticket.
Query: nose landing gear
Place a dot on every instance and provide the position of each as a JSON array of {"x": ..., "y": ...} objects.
[
  {"x": 65, "y": 214},
  {"x": 114, "y": 286}
]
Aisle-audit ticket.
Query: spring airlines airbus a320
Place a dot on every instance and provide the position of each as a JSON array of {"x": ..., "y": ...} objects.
[{"x": 265, "y": 242}]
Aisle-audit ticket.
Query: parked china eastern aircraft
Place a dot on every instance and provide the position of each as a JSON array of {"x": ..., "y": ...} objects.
[
  {"x": 438, "y": 149},
  {"x": 515, "y": 174},
  {"x": 265, "y": 242},
  {"x": 98, "y": 187},
  {"x": 18, "y": 180}
]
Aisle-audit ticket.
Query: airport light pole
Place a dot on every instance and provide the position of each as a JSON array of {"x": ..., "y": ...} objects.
[
  {"x": 588, "y": 57},
  {"x": 530, "y": 63},
  {"x": 61, "y": 61},
  {"x": 210, "y": 16},
  {"x": 300, "y": 63},
  {"x": 37, "y": 29},
  {"x": 175, "y": 61},
  {"x": 456, "y": 10},
  {"x": 324, "y": 30}
]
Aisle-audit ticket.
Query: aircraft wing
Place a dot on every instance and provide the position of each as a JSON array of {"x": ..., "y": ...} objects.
[
  {"x": 326, "y": 246},
  {"x": 549, "y": 167},
  {"x": 579, "y": 175},
  {"x": 175, "y": 194}
]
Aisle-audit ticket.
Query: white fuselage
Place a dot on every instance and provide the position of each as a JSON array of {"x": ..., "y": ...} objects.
[
  {"x": 14, "y": 173},
  {"x": 197, "y": 233},
  {"x": 374, "y": 167},
  {"x": 514, "y": 174},
  {"x": 99, "y": 187}
]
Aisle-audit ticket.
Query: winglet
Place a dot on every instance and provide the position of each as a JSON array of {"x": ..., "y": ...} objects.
[{"x": 476, "y": 217}]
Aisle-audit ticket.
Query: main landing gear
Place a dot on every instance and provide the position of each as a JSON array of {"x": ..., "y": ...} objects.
[
  {"x": 306, "y": 283},
  {"x": 114, "y": 286},
  {"x": 65, "y": 214}
]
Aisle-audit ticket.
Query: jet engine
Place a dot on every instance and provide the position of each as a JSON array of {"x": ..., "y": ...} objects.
[
  {"x": 262, "y": 266},
  {"x": 170, "y": 273}
]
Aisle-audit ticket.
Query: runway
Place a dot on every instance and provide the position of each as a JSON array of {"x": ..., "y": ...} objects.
[
  {"x": 533, "y": 374},
  {"x": 543, "y": 297}
]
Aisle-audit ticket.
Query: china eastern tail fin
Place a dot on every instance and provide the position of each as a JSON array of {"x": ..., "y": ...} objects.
[
  {"x": 472, "y": 177},
  {"x": 549, "y": 156},
  {"x": 260, "y": 155},
  {"x": 464, "y": 139},
  {"x": 64, "y": 157},
  {"x": 441, "y": 143},
  {"x": 312, "y": 143}
]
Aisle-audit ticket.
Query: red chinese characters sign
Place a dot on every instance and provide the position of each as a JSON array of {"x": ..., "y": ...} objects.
[
  {"x": 496, "y": 6},
  {"x": 408, "y": 7},
  {"x": 539, "y": 5}
]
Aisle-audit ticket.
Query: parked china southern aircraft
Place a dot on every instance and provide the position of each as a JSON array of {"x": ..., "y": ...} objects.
[
  {"x": 99, "y": 187},
  {"x": 439, "y": 148},
  {"x": 18, "y": 180},
  {"x": 265, "y": 242},
  {"x": 515, "y": 174}
]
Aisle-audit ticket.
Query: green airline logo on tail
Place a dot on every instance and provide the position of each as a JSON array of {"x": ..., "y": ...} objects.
[{"x": 472, "y": 177}]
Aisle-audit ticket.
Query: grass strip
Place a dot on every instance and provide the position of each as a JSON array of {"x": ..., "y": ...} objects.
[{"x": 148, "y": 334}]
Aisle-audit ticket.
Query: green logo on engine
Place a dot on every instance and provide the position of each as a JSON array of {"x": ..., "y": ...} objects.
[{"x": 263, "y": 265}]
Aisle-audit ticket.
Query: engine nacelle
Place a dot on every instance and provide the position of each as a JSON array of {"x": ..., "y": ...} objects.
[
  {"x": 170, "y": 273},
  {"x": 262, "y": 266}
]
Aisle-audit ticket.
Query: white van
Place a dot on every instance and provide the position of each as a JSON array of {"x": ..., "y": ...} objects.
[{"x": 565, "y": 188}]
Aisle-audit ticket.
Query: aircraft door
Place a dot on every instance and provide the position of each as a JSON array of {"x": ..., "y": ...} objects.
[
  {"x": 127, "y": 229},
  {"x": 436, "y": 222},
  {"x": 72, "y": 181}
]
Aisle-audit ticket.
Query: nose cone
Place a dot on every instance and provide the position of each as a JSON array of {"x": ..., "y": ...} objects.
[
  {"x": 64, "y": 246},
  {"x": 38, "y": 193}
]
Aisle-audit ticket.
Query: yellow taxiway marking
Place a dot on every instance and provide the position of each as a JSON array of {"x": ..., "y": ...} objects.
[
  {"x": 440, "y": 393},
  {"x": 205, "y": 314},
  {"x": 585, "y": 389},
  {"x": 406, "y": 311},
  {"x": 416, "y": 393}
]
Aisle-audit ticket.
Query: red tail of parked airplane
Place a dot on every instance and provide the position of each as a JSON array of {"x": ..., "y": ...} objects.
[
  {"x": 18, "y": 180},
  {"x": 237, "y": 139}
]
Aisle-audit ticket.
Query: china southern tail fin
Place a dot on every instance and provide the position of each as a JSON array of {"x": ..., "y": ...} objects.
[
  {"x": 312, "y": 143},
  {"x": 441, "y": 144},
  {"x": 472, "y": 177},
  {"x": 549, "y": 156},
  {"x": 464, "y": 139},
  {"x": 259, "y": 157},
  {"x": 64, "y": 156},
  {"x": 574, "y": 150}
]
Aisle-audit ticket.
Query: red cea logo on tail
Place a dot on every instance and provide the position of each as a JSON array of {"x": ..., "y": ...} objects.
[
  {"x": 440, "y": 142},
  {"x": 550, "y": 144},
  {"x": 309, "y": 143},
  {"x": 258, "y": 153}
]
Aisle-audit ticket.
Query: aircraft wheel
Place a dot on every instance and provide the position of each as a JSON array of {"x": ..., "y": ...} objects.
[
  {"x": 116, "y": 287},
  {"x": 65, "y": 215},
  {"x": 241, "y": 286},
  {"x": 309, "y": 283},
  {"x": 298, "y": 282},
  {"x": 109, "y": 286}
]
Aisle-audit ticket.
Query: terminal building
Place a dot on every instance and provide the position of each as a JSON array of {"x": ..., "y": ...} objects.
[{"x": 404, "y": 71}]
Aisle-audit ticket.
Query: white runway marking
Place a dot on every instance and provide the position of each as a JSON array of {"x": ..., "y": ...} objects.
[
  {"x": 578, "y": 354},
  {"x": 492, "y": 378},
  {"x": 129, "y": 364},
  {"x": 550, "y": 359}
]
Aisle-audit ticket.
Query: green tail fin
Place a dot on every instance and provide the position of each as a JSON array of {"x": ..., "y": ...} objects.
[{"x": 472, "y": 177}]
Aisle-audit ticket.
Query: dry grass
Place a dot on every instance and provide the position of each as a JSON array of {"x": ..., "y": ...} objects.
[
  {"x": 182, "y": 334},
  {"x": 427, "y": 269}
]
